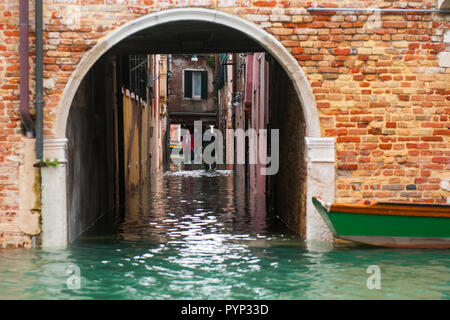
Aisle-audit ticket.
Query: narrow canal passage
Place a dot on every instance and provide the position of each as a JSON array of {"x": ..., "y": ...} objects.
[
  {"x": 189, "y": 207},
  {"x": 198, "y": 235}
]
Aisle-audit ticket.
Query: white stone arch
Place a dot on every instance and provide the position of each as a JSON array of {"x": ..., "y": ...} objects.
[
  {"x": 320, "y": 151},
  {"x": 444, "y": 4}
]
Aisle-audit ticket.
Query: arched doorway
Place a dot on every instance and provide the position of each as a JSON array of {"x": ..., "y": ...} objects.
[{"x": 319, "y": 151}]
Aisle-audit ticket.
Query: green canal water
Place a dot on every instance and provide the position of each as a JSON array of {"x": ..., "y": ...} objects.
[{"x": 195, "y": 235}]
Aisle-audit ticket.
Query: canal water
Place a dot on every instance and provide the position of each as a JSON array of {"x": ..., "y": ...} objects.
[{"x": 198, "y": 235}]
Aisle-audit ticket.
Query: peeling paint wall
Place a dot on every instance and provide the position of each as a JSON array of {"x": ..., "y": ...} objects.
[
  {"x": 177, "y": 101},
  {"x": 28, "y": 217},
  {"x": 136, "y": 141}
]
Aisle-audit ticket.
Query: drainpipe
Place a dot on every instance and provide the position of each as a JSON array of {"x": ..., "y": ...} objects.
[
  {"x": 24, "y": 70},
  {"x": 39, "y": 82}
]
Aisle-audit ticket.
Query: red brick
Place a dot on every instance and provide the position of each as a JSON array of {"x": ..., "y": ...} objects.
[
  {"x": 433, "y": 138},
  {"x": 441, "y": 160},
  {"x": 347, "y": 166},
  {"x": 444, "y": 132},
  {"x": 348, "y": 139},
  {"x": 336, "y": 132},
  {"x": 265, "y": 3},
  {"x": 341, "y": 51}
]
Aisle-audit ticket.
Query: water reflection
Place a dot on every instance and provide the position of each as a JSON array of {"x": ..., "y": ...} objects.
[
  {"x": 185, "y": 206},
  {"x": 197, "y": 235}
]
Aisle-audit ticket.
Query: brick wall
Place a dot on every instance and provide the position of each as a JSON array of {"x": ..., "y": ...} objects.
[
  {"x": 382, "y": 94},
  {"x": 378, "y": 84},
  {"x": 11, "y": 140}
]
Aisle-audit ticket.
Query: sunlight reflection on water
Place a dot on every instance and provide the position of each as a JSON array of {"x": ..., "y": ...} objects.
[{"x": 199, "y": 235}]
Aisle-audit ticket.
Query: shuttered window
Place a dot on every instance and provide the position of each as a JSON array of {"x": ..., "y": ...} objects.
[{"x": 195, "y": 84}]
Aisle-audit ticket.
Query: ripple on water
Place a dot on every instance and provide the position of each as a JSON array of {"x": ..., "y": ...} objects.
[{"x": 193, "y": 235}]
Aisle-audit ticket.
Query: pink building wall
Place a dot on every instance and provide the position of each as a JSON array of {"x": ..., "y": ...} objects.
[{"x": 257, "y": 100}]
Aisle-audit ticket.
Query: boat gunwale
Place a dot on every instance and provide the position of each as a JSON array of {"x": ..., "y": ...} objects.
[
  {"x": 416, "y": 204},
  {"x": 330, "y": 212},
  {"x": 392, "y": 209}
]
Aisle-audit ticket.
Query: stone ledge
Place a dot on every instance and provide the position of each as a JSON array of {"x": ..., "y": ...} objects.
[
  {"x": 444, "y": 59},
  {"x": 55, "y": 148},
  {"x": 447, "y": 37},
  {"x": 320, "y": 149}
]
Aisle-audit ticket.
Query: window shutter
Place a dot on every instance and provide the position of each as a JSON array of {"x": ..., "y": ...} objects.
[
  {"x": 187, "y": 84},
  {"x": 204, "y": 84}
]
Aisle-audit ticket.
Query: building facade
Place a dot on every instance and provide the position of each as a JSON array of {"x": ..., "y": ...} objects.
[
  {"x": 192, "y": 95},
  {"x": 372, "y": 89}
]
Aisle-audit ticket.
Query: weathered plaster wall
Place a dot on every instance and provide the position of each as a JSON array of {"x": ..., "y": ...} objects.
[
  {"x": 29, "y": 215},
  {"x": 136, "y": 141},
  {"x": 177, "y": 102},
  {"x": 12, "y": 141},
  {"x": 225, "y": 108},
  {"x": 158, "y": 114}
]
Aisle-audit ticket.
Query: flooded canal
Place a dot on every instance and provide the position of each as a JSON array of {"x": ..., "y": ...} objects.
[{"x": 197, "y": 235}]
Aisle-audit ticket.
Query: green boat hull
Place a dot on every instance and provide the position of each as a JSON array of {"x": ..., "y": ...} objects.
[{"x": 388, "y": 230}]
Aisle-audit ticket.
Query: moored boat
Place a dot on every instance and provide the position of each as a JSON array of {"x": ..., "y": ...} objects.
[{"x": 388, "y": 224}]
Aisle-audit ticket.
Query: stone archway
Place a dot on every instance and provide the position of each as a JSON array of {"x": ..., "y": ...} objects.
[
  {"x": 444, "y": 4},
  {"x": 320, "y": 151}
]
